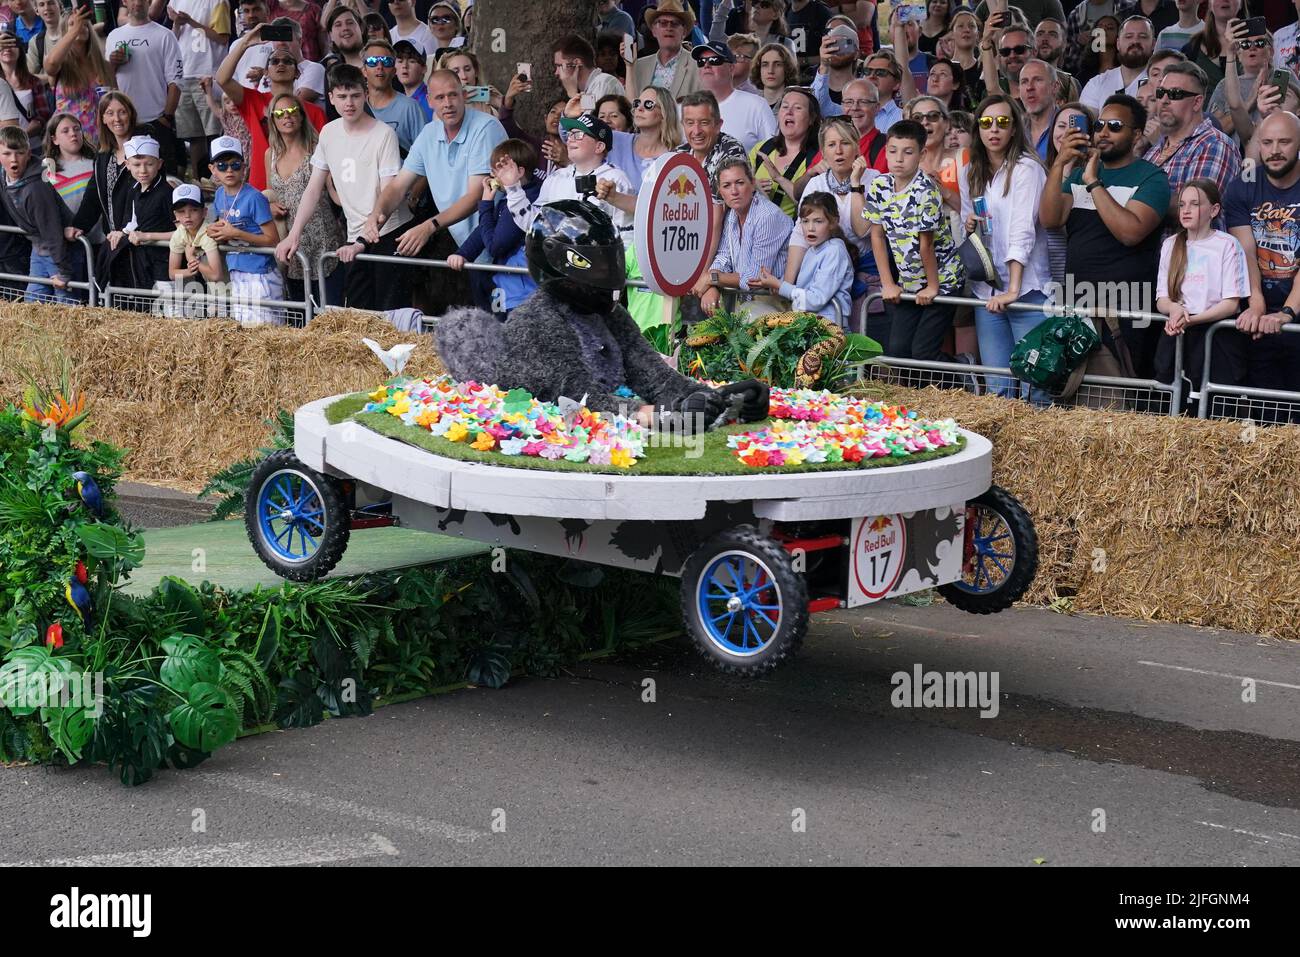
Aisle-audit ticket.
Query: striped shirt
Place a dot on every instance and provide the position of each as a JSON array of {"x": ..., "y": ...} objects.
[{"x": 763, "y": 242}]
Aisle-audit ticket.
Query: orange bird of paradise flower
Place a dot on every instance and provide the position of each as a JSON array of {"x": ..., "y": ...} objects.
[{"x": 58, "y": 412}]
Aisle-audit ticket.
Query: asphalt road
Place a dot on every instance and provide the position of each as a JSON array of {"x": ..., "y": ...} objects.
[{"x": 1142, "y": 724}]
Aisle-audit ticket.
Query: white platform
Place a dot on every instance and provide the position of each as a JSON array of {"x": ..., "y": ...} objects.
[{"x": 353, "y": 451}]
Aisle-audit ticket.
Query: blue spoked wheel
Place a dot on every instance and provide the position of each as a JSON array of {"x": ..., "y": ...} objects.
[
  {"x": 1000, "y": 557},
  {"x": 296, "y": 518},
  {"x": 743, "y": 604}
]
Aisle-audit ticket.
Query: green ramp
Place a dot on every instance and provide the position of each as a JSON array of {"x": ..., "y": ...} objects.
[{"x": 228, "y": 560}]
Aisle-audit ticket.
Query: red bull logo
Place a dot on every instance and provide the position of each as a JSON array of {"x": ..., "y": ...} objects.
[{"x": 682, "y": 187}]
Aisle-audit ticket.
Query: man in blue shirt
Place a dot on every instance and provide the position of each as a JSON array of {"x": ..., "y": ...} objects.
[{"x": 453, "y": 155}]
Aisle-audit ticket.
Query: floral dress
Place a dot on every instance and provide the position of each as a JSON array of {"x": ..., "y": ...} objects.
[{"x": 322, "y": 232}]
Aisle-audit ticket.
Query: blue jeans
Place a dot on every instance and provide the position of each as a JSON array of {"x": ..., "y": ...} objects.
[
  {"x": 998, "y": 333},
  {"x": 44, "y": 267}
]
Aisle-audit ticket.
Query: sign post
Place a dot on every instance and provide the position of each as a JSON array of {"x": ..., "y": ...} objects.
[{"x": 673, "y": 225}]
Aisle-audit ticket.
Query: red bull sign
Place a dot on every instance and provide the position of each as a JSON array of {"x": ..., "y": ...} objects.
[{"x": 674, "y": 224}]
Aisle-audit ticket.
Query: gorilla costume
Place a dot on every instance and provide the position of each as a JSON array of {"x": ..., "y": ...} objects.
[{"x": 571, "y": 338}]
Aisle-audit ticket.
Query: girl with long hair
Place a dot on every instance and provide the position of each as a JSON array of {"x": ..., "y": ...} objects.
[
  {"x": 78, "y": 71},
  {"x": 1006, "y": 173},
  {"x": 774, "y": 69},
  {"x": 963, "y": 37},
  {"x": 1103, "y": 56},
  {"x": 466, "y": 66},
  {"x": 938, "y": 17},
  {"x": 291, "y": 142},
  {"x": 32, "y": 94},
  {"x": 781, "y": 164},
  {"x": 825, "y": 275},
  {"x": 658, "y": 131},
  {"x": 1202, "y": 278}
]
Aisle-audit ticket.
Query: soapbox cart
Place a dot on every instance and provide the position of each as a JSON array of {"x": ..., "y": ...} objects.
[{"x": 756, "y": 554}]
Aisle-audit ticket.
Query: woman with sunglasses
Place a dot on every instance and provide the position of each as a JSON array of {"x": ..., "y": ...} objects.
[
  {"x": 1248, "y": 67},
  {"x": 444, "y": 24},
  {"x": 288, "y": 169},
  {"x": 1006, "y": 173},
  {"x": 658, "y": 131},
  {"x": 781, "y": 164},
  {"x": 774, "y": 69},
  {"x": 940, "y": 163}
]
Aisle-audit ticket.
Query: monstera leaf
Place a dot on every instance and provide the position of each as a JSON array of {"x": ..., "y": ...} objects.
[
  {"x": 70, "y": 729},
  {"x": 110, "y": 543},
  {"x": 188, "y": 662},
  {"x": 206, "y": 719},
  {"x": 31, "y": 678}
]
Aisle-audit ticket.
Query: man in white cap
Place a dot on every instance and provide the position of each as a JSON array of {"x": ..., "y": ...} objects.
[
  {"x": 745, "y": 116},
  {"x": 146, "y": 63},
  {"x": 243, "y": 218}
]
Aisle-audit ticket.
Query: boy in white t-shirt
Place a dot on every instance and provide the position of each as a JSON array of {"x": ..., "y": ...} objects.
[
  {"x": 1203, "y": 276},
  {"x": 589, "y": 140},
  {"x": 362, "y": 155}
]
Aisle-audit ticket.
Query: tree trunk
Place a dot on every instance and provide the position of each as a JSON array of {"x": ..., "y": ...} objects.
[{"x": 509, "y": 32}]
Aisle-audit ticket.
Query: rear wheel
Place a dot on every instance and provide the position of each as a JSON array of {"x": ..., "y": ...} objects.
[
  {"x": 1001, "y": 555},
  {"x": 296, "y": 518},
  {"x": 743, "y": 604}
]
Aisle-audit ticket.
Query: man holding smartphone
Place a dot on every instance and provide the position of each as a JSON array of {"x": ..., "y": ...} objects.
[
  {"x": 146, "y": 63},
  {"x": 202, "y": 29},
  {"x": 838, "y": 56}
]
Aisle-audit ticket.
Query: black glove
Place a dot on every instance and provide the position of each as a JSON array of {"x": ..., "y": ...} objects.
[
  {"x": 755, "y": 397},
  {"x": 699, "y": 410}
]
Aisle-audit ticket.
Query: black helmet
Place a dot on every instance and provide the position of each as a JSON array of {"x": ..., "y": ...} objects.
[{"x": 576, "y": 254}]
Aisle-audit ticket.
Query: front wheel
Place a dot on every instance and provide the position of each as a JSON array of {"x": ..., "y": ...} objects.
[
  {"x": 1000, "y": 557},
  {"x": 296, "y": 518},
  {"x": 743, "y": 604}
]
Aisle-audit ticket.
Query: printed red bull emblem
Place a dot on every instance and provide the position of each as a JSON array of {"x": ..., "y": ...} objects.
[
  {"x": 674, "y": 221},
  {"x": 879, "y": 548}
]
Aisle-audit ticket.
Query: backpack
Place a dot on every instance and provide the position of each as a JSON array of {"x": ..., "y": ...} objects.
[{"x": 1052, "y": 350}]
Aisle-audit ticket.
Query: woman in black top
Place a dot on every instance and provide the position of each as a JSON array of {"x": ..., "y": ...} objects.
[{"x": 116, "y": 121}]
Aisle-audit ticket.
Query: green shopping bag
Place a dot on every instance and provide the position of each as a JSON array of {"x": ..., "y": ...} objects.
[{"x": 1052, "y": 350}]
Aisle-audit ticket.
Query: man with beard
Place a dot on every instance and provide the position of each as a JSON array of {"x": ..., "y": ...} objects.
[
  {"x": 1049, "y": 40},
  {"x": 1161, "y": 13},
  {"x": 1264, "y": 214},
  {"x": 1003, "y": 57},
  {"x": 1191, "y": 147},
  {"x": 1136, "y": 42},
  {"x": 346, "y": 38},
  {"x": 838, "y": 56},
  {"x": 1111, "y": 205},
  {"x": 1038, "y": 97}
]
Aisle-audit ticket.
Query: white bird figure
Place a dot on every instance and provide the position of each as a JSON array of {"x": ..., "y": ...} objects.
[
  {"x": 570, "y": 408},
  {"x": 394, "y": 359}
]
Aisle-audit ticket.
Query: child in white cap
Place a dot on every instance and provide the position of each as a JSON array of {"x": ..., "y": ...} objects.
[
  {"x": 145, "y": 213},
  {"x": 195, "y": 259},
  {"x": 244, "y": 219}
]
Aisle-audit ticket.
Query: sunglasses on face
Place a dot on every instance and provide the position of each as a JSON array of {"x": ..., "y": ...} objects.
[
  {"x": 878, "y": 72},
  {"x": 644, "y": 104},
  {"x": 282, "y": 61},
  {"x": 384, "y": 61},
  {"x": 1003, "y": 122},
  {"x": 225, "y": 165},
  {"x": 442, "y": 21},
  {"x": 934, "y": 116},
  {"x": 710, "y": 61},
  {"x": 1173, "y": 93},
  {"x": 285, "y": 111},
  {"x": 1258, "y": 44},
  {"x": 1113, "y": 125},
  {"x": 1018, "y": 50}
]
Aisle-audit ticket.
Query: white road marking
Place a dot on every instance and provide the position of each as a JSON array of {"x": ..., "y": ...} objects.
[
  {"x": 323, "y": 802},
  {"x": 1242, "y": 830},
  {"x": 1220, "y": 674},
  {"x": 321, "y": 849}
]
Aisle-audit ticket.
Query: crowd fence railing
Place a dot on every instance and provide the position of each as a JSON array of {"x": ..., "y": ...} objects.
[
  {"x": 1223, "y": 401},
  {"x": 87, "y": 286}
]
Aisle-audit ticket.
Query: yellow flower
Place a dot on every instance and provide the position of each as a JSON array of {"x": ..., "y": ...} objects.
[
  {"x": 400, "y": 407},
  {"x": 428, "y": 417},
  {"x": 380, "y": 394},
  {"x": 457, "y": 432},
  {"x": 621, "y": 458},
  {"x": 485, "y": 442},
  {"x": 793, "y": 457}
]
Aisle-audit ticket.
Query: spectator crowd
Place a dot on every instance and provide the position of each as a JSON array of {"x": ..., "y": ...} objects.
[{"x": 867, "y": 162}]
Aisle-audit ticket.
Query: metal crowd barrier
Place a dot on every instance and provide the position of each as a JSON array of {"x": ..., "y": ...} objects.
[
  {"x": 1146, "y": 395},
  {"x": 181, "y": 302},
  {"x": 1221, "y": 401},
  {"x": 88, "y": 286}
]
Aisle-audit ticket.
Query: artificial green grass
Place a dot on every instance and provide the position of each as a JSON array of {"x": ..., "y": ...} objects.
[{"x": 709, "y": 457}]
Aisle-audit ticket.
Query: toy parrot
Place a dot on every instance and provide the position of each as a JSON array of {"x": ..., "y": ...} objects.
[
  {"x": 88, "y": 492},
  {"x": 77, "y": 595}
]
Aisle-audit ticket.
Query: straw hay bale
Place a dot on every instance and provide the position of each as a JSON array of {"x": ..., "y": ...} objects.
[
  {"x": 1147, "y": 516},
  {"x": 185, "y": 396}
]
